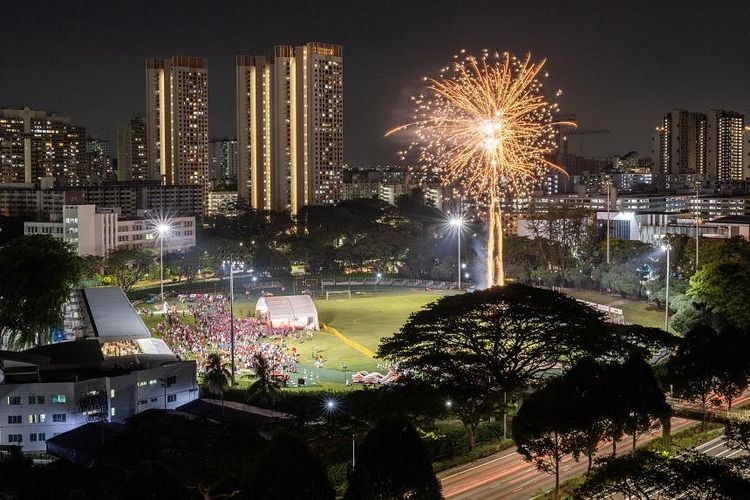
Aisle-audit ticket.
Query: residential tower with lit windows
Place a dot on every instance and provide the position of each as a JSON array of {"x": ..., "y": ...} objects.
[
  {"x": 290, "y": 127},
  {"x": 177, "y": 120}
]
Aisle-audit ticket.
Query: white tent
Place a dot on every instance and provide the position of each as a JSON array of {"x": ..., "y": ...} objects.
[{"x": 297, "y": 311}]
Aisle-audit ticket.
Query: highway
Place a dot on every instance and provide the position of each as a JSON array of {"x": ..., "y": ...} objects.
[
  {"x": 507, "y": 475},
  {"x": 718, "y": 448}
]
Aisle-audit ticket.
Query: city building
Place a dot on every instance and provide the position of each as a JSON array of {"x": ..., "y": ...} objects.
[
  {"x": 99, "y": 161},
  {"x": 36, "y": 144},
  {"x": 98, "y": 231},
  {"x": 132, "y": 159},
  {"x": 290, "y": 127},
  {"x": 222, "y": 154},
  {"x": 222, "y": 203},
  {"x": 111, "y": 371},
  {"x": 136, "y": 196},
  {"x": 177, "y": 120},
  {"x": 39, "y": 200},
  {"x": 724, "y": 159},
  {"x": 678, "y": 145}
]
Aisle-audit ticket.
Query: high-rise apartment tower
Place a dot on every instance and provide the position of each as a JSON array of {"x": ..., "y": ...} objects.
[
  {"x": 290, "y": 127},
  {"x": 177, "y": 120}
]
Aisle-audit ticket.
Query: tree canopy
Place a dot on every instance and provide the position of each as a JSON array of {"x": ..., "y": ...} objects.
[
  {"x": 39, "y": 273},
  {"x": 392, "y": 463}
]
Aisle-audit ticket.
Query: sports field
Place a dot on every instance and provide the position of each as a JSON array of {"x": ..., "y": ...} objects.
[
  {"x": 364, "y": 320},
  {"x": 635, "y": 311}
]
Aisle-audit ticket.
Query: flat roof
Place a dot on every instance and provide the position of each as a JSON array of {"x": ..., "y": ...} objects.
[{"x": 112, "y": 315}]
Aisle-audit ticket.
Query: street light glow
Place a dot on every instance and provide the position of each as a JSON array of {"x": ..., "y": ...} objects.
[
  {"x": 163, "y": 228},
  {"x": 456, "y": 221}
]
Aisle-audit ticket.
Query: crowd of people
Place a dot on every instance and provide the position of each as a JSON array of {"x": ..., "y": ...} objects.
[{"x": 212, "y": 333}]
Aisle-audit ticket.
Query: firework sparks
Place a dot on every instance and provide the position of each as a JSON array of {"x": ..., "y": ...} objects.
[{"x": 485, "y": 127}]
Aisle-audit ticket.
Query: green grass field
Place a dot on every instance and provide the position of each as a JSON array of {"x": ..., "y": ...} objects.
[
  {"x": 637, "y": 312},
  {"x": 364, "y": 320},
  {"x": 367, "y": 319}
]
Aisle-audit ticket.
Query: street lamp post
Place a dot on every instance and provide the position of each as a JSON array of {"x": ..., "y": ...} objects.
[
  {"x": 162, "y": 230},
  {"x": 232, "y": 263},
  {"x": 231, "y": 314},
  {"x": 458, "y": 223},
  {"x": 667, "y": 248}
]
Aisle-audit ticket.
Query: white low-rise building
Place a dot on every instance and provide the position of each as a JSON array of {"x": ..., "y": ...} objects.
[
  {"x": 98, "y": 231},
  {"x": 51, "y": 389}
]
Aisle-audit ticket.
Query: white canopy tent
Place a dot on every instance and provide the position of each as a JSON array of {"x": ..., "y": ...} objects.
[{"x": 296, "y": 311}]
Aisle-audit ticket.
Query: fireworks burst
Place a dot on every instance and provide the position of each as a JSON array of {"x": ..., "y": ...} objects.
[{"x": 485, "y": 127}]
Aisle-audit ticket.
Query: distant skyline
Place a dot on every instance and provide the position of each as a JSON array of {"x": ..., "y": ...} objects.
[{"x": 620, "y": 64}]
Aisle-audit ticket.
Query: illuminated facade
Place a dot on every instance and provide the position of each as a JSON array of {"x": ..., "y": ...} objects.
[
  {"x": 222, "y": 155},
  {"x": 678, "y": 145},
  {"x": 177, "y": 120},
  {"x": 290, "y": 119},
  {"x": 132, "y": 160},
  {"x": 35, "y": 144},
  {"x": 725, "y": 137}
]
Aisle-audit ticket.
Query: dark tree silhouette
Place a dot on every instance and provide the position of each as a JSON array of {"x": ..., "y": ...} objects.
[
  {"x": 543, "y": 428},
  {"x": 393, "y": 463},
  {"x": 485, "y": 343},
  {"x": 38, "y": 274},
  {"x": 288, "y": 470}
]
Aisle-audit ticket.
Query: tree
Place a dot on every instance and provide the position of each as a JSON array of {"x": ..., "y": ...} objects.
[
  {"x": 216, "y": 376},
  {"x": 543, "y": 427},
  {"x": 693, "y": 368},
  {"x": 128, "y": 267},
  {"x": 264, "y": 390},
  {"x": 494, "y": 341},
  {"x": 587, "y": 381},
  {"x": 647, "y": 474},
  {"x": 39, "y": 273},
  {"x": 392, "y": 462},
  {"x": 733, "y": 368},
  {"x": 289, "y": 456},
  {"x": 720, "y": 282},
  {"x": 738, "y": 435},
  {"x": 635, "y": 386}
]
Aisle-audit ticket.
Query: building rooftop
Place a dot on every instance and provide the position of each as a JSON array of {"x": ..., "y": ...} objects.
[{"x": 731, "y": 219}]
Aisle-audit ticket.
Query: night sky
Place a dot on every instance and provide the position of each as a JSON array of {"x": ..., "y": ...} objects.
[{"x": 620, "y": 64}]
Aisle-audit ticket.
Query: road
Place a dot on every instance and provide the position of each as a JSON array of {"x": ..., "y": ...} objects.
[
  {"x": 508, "y": 475},
  {"x": 718, "y": 448}
]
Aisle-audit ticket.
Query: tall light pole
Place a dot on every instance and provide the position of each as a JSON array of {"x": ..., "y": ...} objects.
[
  {"x": 608, "y": 185},
  {"x": 232, "y": 263},
  {"x": 162, "y": 230},
  {"x": 458, "y": 223},
  {"x": 667, "y": 247}
]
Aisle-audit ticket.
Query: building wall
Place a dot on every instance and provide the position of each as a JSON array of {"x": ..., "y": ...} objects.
[
  {"x": 52, "y": 146},
  {"x": 724, "y": 159},
  {"x": 132, "y": 158},
  {"x": 177, "y": 120},
  {"x": 290, "y": 127},
  {"x": 94, "y": 231},
  {"x": 126, "y": 395}
]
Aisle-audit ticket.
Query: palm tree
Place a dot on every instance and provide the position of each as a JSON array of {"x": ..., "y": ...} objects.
[
  {"x": 216, "y": 377},
  {"x": 264, "y": 390}
]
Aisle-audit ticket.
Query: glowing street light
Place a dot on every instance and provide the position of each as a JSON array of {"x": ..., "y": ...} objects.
[
  {"x": 162, "y": 228},
  {"x": 458, "y": 222}
]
